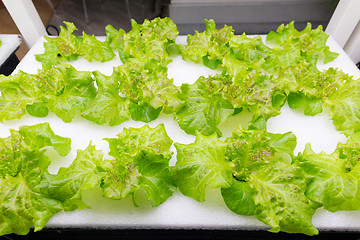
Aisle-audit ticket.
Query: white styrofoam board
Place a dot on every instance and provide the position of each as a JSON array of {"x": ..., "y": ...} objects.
[
  {"x": 180, "y": 211},
  {"x": 10, "y": 42}
]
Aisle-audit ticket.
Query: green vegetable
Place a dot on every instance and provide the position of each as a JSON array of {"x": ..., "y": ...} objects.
[
  {"x": 23, "y": 168},
  {"x": 61, "y": 90},
  {"x": 68, "y": 46},
  {"x": 201, "y": 164},
  {"x": 334, "y": 178},
  {"x": 207, "y": 105},
  {"x": 238, "y": 198},
  {"x": 208, "y": 47},
  {"x": 40, "y": 136},
  {"x": 310, "y": 42},
  {"x": 280, "y": 200},
  {"x": 107, "y": 105},
  {"x": 84, "y": 173},
  {"x": 255, "y": 171},
  {"x": 93, "y": 49},
  {"x": 145, "y": 42},
  {"x": 344, "y": 102},
  {"x": 17, "y": 91},
  {"x": 140, "y": 161},
  {"x": 147, "y": 85}
]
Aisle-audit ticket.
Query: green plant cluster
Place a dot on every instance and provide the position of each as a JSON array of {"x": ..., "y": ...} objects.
[
  {"x": 257, "y": 171},
  {"x": 30, "y": 195}
]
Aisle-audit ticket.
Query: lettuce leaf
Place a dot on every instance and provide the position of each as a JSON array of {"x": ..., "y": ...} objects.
[
  {"x": 23, "y": 207},
  {"x": 93, "y": 49},
  {"x": 113, "y": 36},
  {"x": 333, "y": 178},
  {"x": 68, "y": 46},
  {"x": 255, "y": 172},
  {"x": 140, "y": 161},
  {"x": 311, "y": 42},
  {"x": 68, "y": 93},
  {"x": 239, "y": 198},
  {"x": 307, "y": 87},
  {"x": 268, "y": 184},
  {"x": 201, "y": 164},
  {"x": 40, "y": 135},
  {"x": 149, "y": 88},
  {"x": 249, "y": 50},
  {"x": 250, "y": 149},
  {"x": 23, "y": 167},
  {"x": 17, "y": 92},
  {"x": 107, "y": 106},
  {"x": 208, "y": 47},
  {"x": 344, "y": 104},
  {"x": 148, "y": 41},
  {"x": 62, "y": 90},
  {"x": 206, "y": 106},
  {"x": 280, "y": 200},
  {"x": 65, "y": 47},
  {"x": 83, "y": 173}
]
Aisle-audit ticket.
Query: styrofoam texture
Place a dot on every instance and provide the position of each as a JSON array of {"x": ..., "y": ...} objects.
[
  {"x": 180, "y": 211},
  {"x": 10, "y": 42}
]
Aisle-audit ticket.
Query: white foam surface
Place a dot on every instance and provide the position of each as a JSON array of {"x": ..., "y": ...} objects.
[
  {"x": 180, "y": 211},
  {"x": 10, "y": 42}
]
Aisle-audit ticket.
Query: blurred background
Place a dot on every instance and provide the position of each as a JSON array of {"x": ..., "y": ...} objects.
[{"x": 250, "y": 16}]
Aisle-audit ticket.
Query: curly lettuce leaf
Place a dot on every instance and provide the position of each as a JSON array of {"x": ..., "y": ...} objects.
[
  {"x": 93, "y": 49},
  {"x": 249, "y": 149},
  {"x": 148, "y": 84},
  {"x": 24, "y": 166},
  {"x": 83, "y": 173},
  {"x": 147, "y": 41},
  {"x": 208, "y": 47},
  {"x": 62, "y": 90},
  {"x": 206, "y": 106},
  {"x": 344, "y": 104},
  {"x": 331, "y": 182},
  {"x": 350, "y": 151},
  {"x": 201, "y": 164},
  {"x": 65, "y": 47},
  {"x": 247, "y": 49},
  {"x": 68, "y": 93},
  {"x": 311, "y": 42},
  {"x": 40, "y": 135},
  {"x": 141, "y": 161},
  {"x": 107, "y": 106},
  {"x": 280, "y": 200},
  {"x": 11, "y": 154},
  {"x": 22, "y": 207},
  {"x": 263, "y": 97},
  {"x": 267, "y": 184},
  {"x": 165, "y": 28},
  {"x": 68, "y": 46},
  {"x": 238, "y": 198},
  {"x": 131, "y": 141},
  {"x": 311, "y": 89},
  {"x": 113, "y": 36},
  {"x": 250, "y": 89},
  {"x": 17, "y": 92}
]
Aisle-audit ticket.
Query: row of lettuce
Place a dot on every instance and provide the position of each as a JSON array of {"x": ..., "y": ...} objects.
[
  {"x": 255, "y": 77},
  {"x": 257, "y": 172}
]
